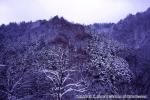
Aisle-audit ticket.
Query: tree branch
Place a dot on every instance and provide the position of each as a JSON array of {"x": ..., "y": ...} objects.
[
  {"x": 71, "y": 89},
  {"x": 1, "y": 65},
  {"x": 16, "y": 84}
]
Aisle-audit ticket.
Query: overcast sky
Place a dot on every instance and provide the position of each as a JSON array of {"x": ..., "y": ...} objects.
[{"x": 78, "y": 11}]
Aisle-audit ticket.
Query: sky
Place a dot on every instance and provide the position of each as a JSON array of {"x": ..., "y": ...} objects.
[{"x": 77, "y": 11}]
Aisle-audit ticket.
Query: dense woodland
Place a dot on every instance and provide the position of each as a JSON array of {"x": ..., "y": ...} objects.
[{"x": 58, "y": 60}]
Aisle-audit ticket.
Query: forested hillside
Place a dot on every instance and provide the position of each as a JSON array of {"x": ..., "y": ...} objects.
[
  {"x": 134, "y": 31},
  {"x": 58, "y": 60}
]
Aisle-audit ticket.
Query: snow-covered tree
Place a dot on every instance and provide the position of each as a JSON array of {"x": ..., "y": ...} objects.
[
  {"x": 16, "y": 75},
  {"x": 65, "y": 77},
  {"x": 106, "y": 69}
]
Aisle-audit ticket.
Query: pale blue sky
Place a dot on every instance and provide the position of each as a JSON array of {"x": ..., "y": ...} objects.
[{"x": 78, "y": 11}]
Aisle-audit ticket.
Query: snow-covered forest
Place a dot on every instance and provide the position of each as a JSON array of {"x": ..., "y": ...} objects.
[{"x": 58, "y": 60}]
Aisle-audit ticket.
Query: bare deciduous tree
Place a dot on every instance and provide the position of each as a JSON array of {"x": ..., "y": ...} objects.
[{"x": 65, "y": 78}]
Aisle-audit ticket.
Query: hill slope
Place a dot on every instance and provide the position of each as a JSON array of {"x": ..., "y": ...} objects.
[
  {"x": 134, "y": 32},
  {"x": 56, "y": 59}
]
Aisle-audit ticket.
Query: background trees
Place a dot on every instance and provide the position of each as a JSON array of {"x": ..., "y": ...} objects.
[{"x": 56, "y": 59}]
